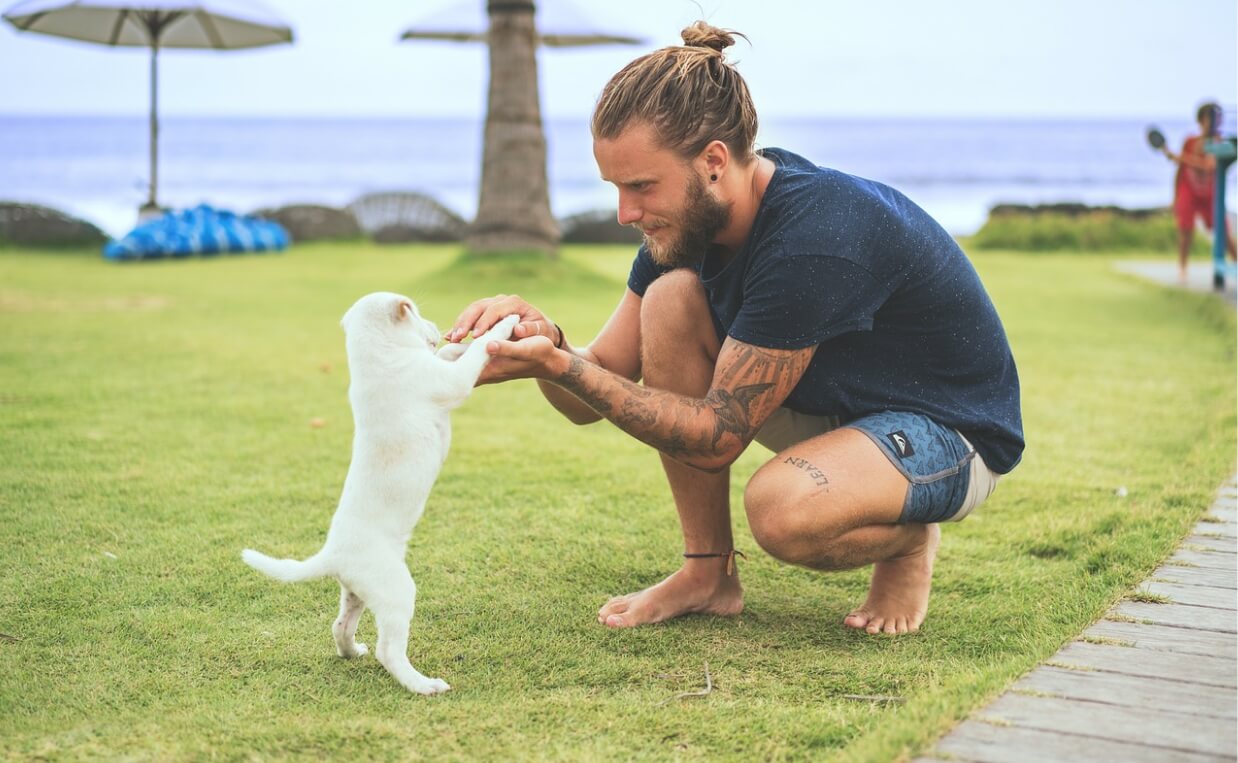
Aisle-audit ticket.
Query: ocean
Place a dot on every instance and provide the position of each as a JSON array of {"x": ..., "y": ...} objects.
[{"x": 96, "y": 167}]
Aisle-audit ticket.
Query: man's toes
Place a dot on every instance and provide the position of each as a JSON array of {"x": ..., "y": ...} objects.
[
  {"x": 857, "y": 619},
  {"x": 616, "y": 621},
  {"x": 629, "y": 615},
  {"x": 875, "y": 625},
  {"x": 615, "y": 606}
]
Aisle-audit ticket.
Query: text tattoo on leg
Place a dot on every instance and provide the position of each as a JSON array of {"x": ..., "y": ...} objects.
[{"x": 818, "y": 477}]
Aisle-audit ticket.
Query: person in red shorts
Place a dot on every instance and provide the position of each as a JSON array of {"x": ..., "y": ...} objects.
[{"x": 1195, "y": 185}]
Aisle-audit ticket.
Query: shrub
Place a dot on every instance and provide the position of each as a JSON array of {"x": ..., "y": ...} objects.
[
  {"x": 33, "y": 225},
  {"x": 1079, "y": 228}
]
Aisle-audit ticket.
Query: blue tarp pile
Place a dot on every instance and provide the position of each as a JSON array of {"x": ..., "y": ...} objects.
[{"x": 197, "y": 231}]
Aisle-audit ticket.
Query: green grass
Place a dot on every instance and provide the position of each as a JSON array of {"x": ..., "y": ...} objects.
[{"x": 154, "y": 420}]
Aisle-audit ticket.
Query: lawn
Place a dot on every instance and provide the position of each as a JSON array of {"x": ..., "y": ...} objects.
[{"x": 156, "y": 418}]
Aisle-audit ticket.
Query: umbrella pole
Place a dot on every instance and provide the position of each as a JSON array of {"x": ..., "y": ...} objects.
[
  {"x": 513, "y": 204},
  {"x": 151, "y": 205}
]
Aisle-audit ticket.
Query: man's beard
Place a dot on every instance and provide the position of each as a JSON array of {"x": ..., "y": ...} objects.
[{"x": 702, "y": 218}]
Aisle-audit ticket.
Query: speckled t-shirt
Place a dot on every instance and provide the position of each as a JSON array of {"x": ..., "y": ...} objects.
[{"x": 900, "y": 315}]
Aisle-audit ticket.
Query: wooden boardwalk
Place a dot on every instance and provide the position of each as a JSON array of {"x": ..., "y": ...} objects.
[{"x": 1152, "y": 681}]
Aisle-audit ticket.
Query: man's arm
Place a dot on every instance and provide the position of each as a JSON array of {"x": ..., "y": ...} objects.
[
  {"x": 616, "y": 349},
  {"x": 749, "y": 383}
]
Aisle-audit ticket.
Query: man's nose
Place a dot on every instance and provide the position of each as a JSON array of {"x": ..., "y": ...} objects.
[{"x": 628, "y": 211}]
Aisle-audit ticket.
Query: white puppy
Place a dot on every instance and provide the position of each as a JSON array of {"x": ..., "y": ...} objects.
[{"x": 401, "y": 394}]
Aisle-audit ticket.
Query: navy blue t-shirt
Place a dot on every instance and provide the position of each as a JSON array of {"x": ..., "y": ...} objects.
[{"x": 900, "y": 315}]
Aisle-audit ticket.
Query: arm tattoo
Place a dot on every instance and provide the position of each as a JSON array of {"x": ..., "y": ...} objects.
[
  {"x": 571, "y": 381},
  {"x": 734, "y": 411},
  {"x": 749, "y": 382}
]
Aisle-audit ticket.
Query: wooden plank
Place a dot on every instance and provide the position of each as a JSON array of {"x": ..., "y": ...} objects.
[
  {"x": 986, "y": 743},
  {"x": 1197, "y": 576},
  {"x": 1133, "y": 691},
  {"x": 1181, "y": 616},
  {"x": 1195, "y": 595},
  {"x": 1163, "y": 638},
  {"x": 1187, "y": 668},
  {"x": 1213, "y": 560},
  {"x": 1224, "y": 529},
  {"x": 1226, "y": 545},
  {"x": 1225, "y": 512},
  {"x": 1122, "y": 724}
]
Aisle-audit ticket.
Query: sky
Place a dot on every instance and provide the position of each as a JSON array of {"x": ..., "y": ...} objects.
[{"x": 899, "y": 58}]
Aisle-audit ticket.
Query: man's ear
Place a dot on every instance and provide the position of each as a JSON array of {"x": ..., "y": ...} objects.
[{"x": 715, "y": 158}]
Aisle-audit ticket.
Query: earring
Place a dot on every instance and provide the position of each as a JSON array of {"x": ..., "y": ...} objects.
[{"x": 713, "y": 178}]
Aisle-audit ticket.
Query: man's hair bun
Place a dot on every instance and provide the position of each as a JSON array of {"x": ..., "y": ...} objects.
[{"x": 702, "y": 35}]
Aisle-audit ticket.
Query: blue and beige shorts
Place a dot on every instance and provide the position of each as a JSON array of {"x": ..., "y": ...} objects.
[{"x": 946, "y": 477}]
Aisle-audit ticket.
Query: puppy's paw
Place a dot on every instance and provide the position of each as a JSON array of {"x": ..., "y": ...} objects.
[
  {"x": 431, "y": 686},
  {"x": 358, "y": 650},
  {"x": 502, "y": 330},
  {"x": 452, "y": 352}
]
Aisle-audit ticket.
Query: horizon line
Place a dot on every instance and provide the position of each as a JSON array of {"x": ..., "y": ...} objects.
[{"x": 773, "y": 115}]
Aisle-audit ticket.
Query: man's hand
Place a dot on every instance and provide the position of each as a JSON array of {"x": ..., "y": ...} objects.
[
  {"x": 480, "y": 316},
  {"x": 530, "y": 354},
  {"x": 534, "y": 357}
]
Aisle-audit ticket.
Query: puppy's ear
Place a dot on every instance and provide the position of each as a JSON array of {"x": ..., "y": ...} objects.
[{"x": 403, "y": 310}]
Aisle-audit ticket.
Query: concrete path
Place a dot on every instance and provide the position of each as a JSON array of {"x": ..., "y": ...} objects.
[
  {"x": 1199, "y": 276},
  {"x": 1153, "y": 681}
]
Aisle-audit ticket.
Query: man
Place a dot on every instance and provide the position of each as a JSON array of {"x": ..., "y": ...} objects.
[{"x": 823, "y": 315}]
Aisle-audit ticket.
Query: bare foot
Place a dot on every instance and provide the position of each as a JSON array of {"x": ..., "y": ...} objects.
[
  {"x": 700, "y": 586},
  {"x": 898, "y": 597}
]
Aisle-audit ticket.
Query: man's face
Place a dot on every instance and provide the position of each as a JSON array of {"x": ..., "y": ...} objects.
[{"x": 662, "y": 196}]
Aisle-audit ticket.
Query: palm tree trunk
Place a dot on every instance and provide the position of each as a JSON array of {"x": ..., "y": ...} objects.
[{"x": 513, "y": 210}]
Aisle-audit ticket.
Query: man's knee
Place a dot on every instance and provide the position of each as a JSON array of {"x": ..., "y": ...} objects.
[
  {"x": 778, "y": 523},
  {"x": 677, "y": 331},
  {"x": 675, "y": 294}
]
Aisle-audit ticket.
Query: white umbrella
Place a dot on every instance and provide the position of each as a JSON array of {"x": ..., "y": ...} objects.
[
  {"x": 154, "y": 24},
  {"x": 559, "y": 25}
]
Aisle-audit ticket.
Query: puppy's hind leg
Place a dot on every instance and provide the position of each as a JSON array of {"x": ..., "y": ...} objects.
[
  {"x": 393, "y": 612},
  {"x": 345, "y": 627}
]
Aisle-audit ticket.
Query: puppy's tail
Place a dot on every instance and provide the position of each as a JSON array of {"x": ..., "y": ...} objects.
[{"x": 287, "y": 570}]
